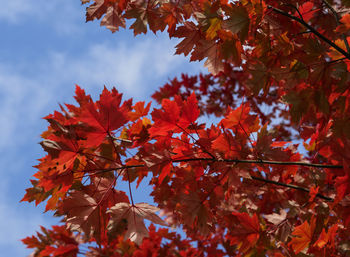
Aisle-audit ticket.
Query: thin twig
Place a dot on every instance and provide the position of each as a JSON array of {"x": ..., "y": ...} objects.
[
  {"x": 196, "y": 141},
  {"x": 127, "y": 171},
  {"x": 132, "y": 199},
  {"x": 122, "y": 140}
]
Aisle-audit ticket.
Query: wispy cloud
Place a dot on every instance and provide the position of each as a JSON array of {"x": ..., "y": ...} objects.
[
  {"x": 135, "y": 68},
  {"x": 16, "y": 221},
  {"x": 31, "y": 89},
  {"x": 22, "y": 100},
  {"x": 11, "y": 11},
  {"x": 62, "y": 16}
]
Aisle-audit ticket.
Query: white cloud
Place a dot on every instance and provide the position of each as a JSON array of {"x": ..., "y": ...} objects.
[
  {"x": 64, "y": 16},
  {"x": 16, "y": 222},
  {"x": 133, "y": 69},
  {"x": 11, "y": 11},
  {"x": 22, "y": 100}
]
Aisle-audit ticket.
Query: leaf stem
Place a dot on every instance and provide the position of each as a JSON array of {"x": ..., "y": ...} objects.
[
  {"x": 130, "y": 192},
  {"x": 126, "y": 168}
]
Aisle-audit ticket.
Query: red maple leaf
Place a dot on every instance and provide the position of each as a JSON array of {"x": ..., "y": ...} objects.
[
  {"x": 248, "y": 232},
  {"x": 241, "y": 120},
  {"x": 104, "y": 116}
]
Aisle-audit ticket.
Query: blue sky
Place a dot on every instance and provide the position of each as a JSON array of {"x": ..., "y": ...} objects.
[{"x": 45, "y": 49}]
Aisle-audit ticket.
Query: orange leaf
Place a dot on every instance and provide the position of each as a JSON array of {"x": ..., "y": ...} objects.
[
  {"x": 242, "y": 120},
  {"x": 140, "y": 110},
  {"x": 324, "y": 237},
  {"x": 303, "y": 235},
  {"x": 346, "y": 20}
]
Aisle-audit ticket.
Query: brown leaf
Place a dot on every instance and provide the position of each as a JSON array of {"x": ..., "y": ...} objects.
[
  {"x": 113, "y": 20},
  {"x": 82, "y": 214},
  {"x": 276, "y": 218},
  {"x": 191, "y": 35},
  {"x": 134, "y": 214}
]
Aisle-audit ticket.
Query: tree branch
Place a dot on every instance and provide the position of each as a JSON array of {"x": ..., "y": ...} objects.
[
  {"x": 292, "y": 186},
  {"x": 312, "y": 29},
  {"x": 272, "y": 163},
  {"x": 285, "y": 163},
  {"x": 253, "y": 177},
  {"x": 336, "y": 16}
]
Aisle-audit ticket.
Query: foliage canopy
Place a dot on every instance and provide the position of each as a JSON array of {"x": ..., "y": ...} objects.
[{"x": 278, "y": 81}]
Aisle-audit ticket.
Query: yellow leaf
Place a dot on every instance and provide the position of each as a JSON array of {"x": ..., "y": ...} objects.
[{"x": 215, "y": 25}]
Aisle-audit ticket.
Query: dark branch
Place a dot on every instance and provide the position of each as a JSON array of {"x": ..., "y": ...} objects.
[
  {"x": 312, "y": 29},
  {"x": 284, "y": 163},
  {"x": 336, "y": 16},
  {"x": 253, "y": 177},
  {"x": 291, "y": 186}
]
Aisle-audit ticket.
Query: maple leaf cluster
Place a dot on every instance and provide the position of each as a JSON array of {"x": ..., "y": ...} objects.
[{"x": 270, "y": 178}]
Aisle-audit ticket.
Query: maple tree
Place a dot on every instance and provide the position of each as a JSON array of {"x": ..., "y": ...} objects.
[{"x": 271, "y": 178}]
